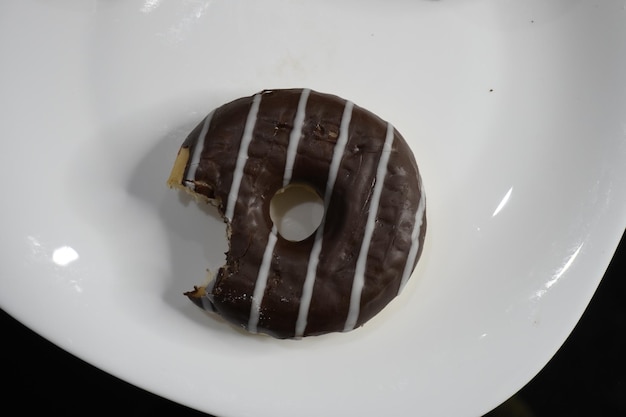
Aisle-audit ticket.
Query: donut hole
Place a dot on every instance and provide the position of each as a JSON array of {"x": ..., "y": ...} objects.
[{"x": 297, "y": 211}]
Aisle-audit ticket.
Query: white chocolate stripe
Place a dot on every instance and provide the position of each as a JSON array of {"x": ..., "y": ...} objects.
[
  {"x": 261, "y": 281},
  {"x": 242, "y": 156},
  {"x": 415, "y": 244},
  {"x": 197, "y": 151},
  {"x": 294, "y": 137},
  {"x": 309, "y": 281},
  {"x": 359, "y": 273}
]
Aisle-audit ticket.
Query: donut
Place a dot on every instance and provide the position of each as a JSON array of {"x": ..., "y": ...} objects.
[{"x": 371, "y": 234}]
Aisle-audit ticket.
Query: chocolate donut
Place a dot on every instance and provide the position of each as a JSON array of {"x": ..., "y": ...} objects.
[{"x": 371, "y": 234}]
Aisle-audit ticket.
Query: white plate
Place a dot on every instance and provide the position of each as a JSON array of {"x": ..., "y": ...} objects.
[{"x": 516, "y": 112}]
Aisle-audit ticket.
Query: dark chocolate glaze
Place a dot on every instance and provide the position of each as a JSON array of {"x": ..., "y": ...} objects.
[{"x": 346, "y": 215}]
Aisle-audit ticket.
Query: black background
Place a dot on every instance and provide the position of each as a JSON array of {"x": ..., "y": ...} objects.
[{"x": 585, "y": 378}]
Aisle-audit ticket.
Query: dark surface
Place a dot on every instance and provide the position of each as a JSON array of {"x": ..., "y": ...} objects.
[{"x": 585, "y": 378}]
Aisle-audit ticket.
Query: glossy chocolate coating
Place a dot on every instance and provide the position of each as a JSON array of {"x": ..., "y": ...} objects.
[{"x": 345, "y": 219}]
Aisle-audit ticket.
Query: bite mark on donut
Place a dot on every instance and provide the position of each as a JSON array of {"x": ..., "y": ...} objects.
[{"x": 176, "y": 181}]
